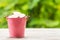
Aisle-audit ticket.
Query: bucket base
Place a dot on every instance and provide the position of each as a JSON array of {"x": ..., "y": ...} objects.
[{"x": 16, "y": 37}]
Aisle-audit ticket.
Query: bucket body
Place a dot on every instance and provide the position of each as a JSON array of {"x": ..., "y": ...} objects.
[{"x": 16, "y": 27}]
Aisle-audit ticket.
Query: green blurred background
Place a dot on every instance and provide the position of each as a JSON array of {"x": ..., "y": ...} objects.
[{"x": 43, "y": 13}]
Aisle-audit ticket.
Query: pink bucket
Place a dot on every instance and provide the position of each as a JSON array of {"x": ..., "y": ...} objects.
[{"x": 17, "y": 27}]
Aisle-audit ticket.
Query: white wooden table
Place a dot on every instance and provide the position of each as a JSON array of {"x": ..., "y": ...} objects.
[{"x": 33, "y": 34}]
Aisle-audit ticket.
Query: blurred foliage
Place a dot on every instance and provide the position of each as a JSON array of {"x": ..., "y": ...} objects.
[{"x": 43, "y": 13}]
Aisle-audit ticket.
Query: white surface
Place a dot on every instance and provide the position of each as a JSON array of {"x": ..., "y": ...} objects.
[{"x": 33, "y": 34}]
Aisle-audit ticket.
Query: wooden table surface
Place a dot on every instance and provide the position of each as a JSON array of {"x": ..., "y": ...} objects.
[{"x": 33, "y": 34}]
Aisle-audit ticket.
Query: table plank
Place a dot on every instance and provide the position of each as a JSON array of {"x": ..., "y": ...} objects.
[{"x": 33, "y": 34}]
